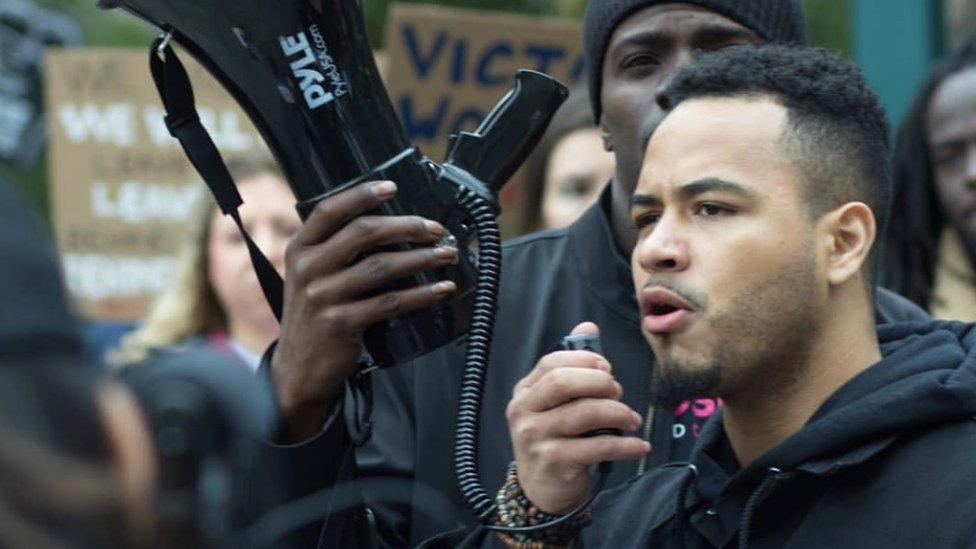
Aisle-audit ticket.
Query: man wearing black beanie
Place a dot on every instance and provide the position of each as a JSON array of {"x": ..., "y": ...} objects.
[
  {"x": 550, "y": 282},
  {"x": 632, "y": 46}
]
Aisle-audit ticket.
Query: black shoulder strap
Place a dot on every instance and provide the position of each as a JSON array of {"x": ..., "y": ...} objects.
[{"x": 184, "y": 124}]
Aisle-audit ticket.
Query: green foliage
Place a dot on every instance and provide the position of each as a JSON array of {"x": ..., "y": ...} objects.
[
  {"x": 830, "y": 24},
  {"x": 376, "y": 10},
  {"x": 105, "y": 27}
]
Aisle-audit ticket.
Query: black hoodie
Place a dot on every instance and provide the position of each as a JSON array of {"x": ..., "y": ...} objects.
[
  {"x": 889, "y": 460},
  {"x": 550, "y": 282}
]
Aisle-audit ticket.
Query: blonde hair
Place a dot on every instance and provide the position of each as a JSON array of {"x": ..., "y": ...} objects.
[{"x": 189, "y": 306}]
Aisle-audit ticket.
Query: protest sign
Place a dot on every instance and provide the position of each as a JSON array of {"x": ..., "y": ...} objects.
[
  {"x": 448, "y": 67},
  {"x": 122, "y": 191}
]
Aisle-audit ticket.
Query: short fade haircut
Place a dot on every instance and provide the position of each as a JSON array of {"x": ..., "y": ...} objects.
[{"x": 839, "y": 140}]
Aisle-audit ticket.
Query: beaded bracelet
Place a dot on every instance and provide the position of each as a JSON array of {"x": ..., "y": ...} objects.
[{"x": 514, "y": 510}]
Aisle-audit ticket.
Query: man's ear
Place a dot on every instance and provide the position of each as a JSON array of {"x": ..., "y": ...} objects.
[
  {"x": 849, "y": 233},
  {"x": 605, "y": 135}
]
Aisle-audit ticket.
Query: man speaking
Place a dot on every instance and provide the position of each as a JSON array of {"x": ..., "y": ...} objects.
[{"x": 758, "y": 206}]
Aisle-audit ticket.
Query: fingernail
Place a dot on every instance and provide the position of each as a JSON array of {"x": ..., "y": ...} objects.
[
  {"x": 434, "y": 228},
  {"x": 637, "y": 421},
  {"x": 445, "y": 252},
  {"x": 442, "y": 289},
  {"x": 647, "y": 446},
  {"x": 384, "y": 189},
  {"x": 618, "y": 386},
  {"x": 603, "y": 365}
]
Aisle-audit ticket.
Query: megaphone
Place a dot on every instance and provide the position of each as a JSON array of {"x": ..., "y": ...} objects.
[{"x": 305, "y": 74}]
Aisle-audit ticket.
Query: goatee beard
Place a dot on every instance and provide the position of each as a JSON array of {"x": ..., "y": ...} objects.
[{"x": 676, "y": 383}]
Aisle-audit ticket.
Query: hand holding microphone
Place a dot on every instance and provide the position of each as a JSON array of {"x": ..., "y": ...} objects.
[{"x": 560, "y": 419}]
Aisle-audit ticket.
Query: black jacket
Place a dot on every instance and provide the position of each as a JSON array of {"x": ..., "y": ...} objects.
[
  {"x": 887, "y": 461},
  {"x": 550, "y": 282}
]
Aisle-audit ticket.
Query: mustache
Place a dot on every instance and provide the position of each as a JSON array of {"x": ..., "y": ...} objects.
[{"x": 696, "y": 299}]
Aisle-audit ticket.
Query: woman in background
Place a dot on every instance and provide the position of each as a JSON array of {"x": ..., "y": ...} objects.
[
  {"x": 215, "y": 301},
  {"x": 569, "y": 168},
  {"x": 930, "y": 251}
]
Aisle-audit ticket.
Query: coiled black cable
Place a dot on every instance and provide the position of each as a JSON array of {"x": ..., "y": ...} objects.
[
  {"x": 476, "y": 358},
  {"x": 477, "y": 352}
]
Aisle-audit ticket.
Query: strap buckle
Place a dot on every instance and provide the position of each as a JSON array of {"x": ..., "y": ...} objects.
[
  {"x": 175, "y": 123},
  {"x": 164, "y": 40}
]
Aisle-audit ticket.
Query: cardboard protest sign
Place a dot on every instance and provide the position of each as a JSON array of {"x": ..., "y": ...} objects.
[
  {"x": 448, "y": 67},
  {"x": 122, "y": 191}
]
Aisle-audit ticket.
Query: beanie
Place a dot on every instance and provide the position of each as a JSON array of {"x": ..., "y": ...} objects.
[{"x": 775, "y": 21}]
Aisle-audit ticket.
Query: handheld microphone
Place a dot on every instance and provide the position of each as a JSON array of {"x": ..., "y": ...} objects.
[{"x": 588, "y": 342}]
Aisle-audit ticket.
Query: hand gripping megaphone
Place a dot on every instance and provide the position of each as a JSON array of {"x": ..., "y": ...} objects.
[{"x": 304, "y": 72}]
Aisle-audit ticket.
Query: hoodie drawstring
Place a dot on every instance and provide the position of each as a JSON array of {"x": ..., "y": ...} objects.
[
  {"x": 765, "y": 488},
  {"x": 681, "y": 518}
]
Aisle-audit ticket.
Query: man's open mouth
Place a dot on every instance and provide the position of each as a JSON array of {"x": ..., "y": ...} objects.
[
  {"x": 664, "y": 311},
  {"x": 661, "y": 309}
]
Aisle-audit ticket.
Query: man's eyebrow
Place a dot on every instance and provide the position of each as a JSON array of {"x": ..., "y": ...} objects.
[
  {"x": 644, "y": 200},
  {"x": 709, "y": 32},
  {"x": 716, "y": 32},
  {"x": 642, "y": 37},
  {"x": 713, "y": 184}
]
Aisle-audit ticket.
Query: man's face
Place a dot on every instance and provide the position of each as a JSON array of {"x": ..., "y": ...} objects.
[
  {"x": 725, "y": 270},
  {"x": 641, "y": 55},
  {"x": 952, "y": 145}
]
